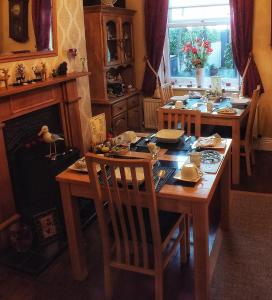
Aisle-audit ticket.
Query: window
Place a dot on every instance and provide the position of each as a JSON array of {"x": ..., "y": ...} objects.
[{"x": 193, "y": 20}]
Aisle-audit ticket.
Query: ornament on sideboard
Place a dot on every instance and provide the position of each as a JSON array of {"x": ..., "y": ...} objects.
[
  {"x": 54, "y": 73},
  {"x": 83, "y": 61},
  {"x": 20, "y": 73},
  {"x": 5, "y": 76},
  {"x": 51, "y": 139},
  {"x": 62, "y": 69}
]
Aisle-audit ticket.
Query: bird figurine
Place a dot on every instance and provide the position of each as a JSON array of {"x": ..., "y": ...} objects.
[{"x": 51, "y": 139}]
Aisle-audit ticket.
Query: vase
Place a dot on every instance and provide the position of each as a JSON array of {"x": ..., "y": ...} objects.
[{"x": 199, "y": 77}]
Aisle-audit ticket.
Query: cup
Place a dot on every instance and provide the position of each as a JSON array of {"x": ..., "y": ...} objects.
[
  {"x": 195, "y": 158},
  {"x": 178, "y": 104},
  {"x": 189, "y": 171},
  {"x": 153, "y": 149}
]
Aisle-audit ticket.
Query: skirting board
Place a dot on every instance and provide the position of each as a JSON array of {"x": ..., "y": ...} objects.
[{"x": 264, "y": 143}]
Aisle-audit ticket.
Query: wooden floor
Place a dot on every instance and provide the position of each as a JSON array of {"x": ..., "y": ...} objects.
[{"x": 56, "y": 283}]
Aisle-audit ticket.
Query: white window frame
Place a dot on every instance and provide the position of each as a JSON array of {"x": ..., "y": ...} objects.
[{"x": 189, "y": 23}]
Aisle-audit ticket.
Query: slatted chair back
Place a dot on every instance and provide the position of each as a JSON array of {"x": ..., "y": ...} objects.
[
  {"x": 125, "y": 203},
  {"x": 251, "y": 117},
  {"x": 180, "y": 119},
  {"x": 166, "y": 92}
]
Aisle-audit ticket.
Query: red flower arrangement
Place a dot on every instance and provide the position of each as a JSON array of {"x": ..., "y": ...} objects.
[{"x": 198, "y": 51}]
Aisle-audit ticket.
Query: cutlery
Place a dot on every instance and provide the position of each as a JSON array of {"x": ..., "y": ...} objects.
[
  {"x": 188, "y": 138},
  {"x": 160, "y": 176},
  {"x": 149, "y": 138}
]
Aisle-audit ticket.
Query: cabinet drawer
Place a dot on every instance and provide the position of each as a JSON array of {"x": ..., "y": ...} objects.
[
  {"x": 119, "y": 108},
  {"x": 134, "y": 119},
  {"x": 133, "y": 101},
  {"x": 119, "y": 124}
]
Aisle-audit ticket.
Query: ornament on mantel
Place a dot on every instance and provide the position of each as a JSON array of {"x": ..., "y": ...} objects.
[
  {"x": 5, "y": 76},
  {"x": 109, "y": 2}
]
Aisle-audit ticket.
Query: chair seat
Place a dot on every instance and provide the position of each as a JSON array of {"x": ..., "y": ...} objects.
[{"x": 167, "y": 221}]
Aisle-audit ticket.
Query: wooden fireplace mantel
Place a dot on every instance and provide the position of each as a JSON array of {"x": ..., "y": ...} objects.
[{"x": 21, "y": 100}]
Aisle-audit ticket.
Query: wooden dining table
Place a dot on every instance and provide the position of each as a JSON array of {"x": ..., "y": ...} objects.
[
  {"x": 193, "y": 200},
  {"x": 231, "y": 120}
]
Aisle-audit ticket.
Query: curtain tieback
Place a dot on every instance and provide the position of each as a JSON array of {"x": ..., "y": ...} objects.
[
  {"x": 250, "y": 57},
  {"x": 153, "y": 70}
]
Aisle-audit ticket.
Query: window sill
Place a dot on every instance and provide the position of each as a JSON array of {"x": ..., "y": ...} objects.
[{"x": 183, "y": 88}]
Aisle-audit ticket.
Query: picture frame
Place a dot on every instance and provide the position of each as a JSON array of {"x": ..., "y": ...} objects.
[
  {"x": 47, "y": 226},
  {"x": 18, "y": 20}
]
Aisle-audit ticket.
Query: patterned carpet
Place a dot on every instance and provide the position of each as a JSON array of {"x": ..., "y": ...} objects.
[{"x": 244, "y": 267}]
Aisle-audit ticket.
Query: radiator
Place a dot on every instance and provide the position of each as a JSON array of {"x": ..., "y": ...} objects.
[{"x": 150, "y": 112}]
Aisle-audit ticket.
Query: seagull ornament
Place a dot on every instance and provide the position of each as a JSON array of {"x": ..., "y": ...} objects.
[{"x": 51, "y": 139}]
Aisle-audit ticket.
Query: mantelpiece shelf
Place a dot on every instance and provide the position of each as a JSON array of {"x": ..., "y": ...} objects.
[{"x": 12, "y": 90}]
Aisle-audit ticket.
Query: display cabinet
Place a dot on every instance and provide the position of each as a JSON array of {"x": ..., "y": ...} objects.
[{"x": 110, "y": 54}]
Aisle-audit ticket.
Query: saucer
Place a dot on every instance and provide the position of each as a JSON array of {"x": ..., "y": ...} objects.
[{"x": 178, "y": 176}]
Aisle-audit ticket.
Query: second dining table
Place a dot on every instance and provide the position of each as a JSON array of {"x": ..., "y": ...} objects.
[
  {"x": 193, "y": 199},
  {"x": 234, "y": 121}
]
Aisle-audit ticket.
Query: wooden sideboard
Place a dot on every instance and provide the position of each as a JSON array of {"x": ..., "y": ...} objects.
[{"x": 19, "y": 101}]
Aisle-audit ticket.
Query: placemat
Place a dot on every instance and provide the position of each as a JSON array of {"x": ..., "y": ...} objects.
[
  {"x": 182, "y": 145},
  {"x": 169, "y": 172}
]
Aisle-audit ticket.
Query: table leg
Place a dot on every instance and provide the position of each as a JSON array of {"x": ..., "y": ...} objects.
[
  {"x": 236, "y": 152},
  {"x": 225, "y": 195},
  {"x": 74, "y": 234},
  {"x": 201, "y": 250}
]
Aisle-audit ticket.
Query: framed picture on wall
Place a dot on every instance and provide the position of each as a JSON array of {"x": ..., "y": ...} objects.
[{"x": 18, "y": 20}]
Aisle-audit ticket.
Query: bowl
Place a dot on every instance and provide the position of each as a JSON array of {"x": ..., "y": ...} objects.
[{"x": 119, "y": 149}]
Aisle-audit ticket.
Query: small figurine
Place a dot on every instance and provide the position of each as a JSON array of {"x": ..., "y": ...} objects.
[
  {"x": 38, "y": 72},
  {"x": 51, "y": 139},
  {"x": 83, "y": 60},
  {"x": 44, "y": 71},
  {"x": 20, "y": 73},
  {"x": 5, "y": 76},
  {"x": 62, "y": 69}
]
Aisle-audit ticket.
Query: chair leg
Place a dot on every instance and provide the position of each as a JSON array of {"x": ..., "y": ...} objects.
[
  {"x": 187, "y": 232},
  {"x": 183, "y": 242},
  {"x": 107, "y": 280},
  {"x": 253, "y": 156},
  {"x": 248, "y": 163},
  {"x": 159, "y": 284}
]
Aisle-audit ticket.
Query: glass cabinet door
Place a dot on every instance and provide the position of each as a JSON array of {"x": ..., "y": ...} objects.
[
  {"x": 112, "y": 52},
  {"x": 127, "y": 45}
]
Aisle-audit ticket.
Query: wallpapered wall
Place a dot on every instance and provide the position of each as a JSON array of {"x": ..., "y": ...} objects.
[{"x": 71, "y": 34}]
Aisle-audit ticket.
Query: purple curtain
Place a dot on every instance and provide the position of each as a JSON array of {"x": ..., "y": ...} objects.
[
  {"x": 241, "y": 34},
  {"x": 41, "y": 16},
  {"x": 155, "y": 29}
]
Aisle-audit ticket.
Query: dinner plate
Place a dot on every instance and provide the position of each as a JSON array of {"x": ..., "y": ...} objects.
[
  {"x": 219, "y": 146},
  {"x": 178, "y": 176},
  {"x": 83, "y": 169},
  {"x": 231, "y": 111},
  {"x": 169, "y": 135},
  {"x": 139, "y": 175}
]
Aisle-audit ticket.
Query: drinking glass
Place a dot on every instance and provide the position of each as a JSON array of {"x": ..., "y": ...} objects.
[{"x": 153, "y": 149}]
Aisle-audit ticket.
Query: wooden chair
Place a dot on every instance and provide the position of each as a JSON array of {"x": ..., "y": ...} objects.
[
  {"x": 247, "y": 142},
  {"x": 180, "y": 118},
  {"x": 166, "y": 92},
  {"x": 139, "y": 244}
]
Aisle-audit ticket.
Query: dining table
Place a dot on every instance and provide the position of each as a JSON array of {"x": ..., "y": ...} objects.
[
  {"x": 214, "y": 118},
  {"x": 193, "y": 199}
]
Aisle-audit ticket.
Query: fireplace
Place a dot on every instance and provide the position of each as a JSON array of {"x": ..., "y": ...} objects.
[{"x": 56, "y": 97}]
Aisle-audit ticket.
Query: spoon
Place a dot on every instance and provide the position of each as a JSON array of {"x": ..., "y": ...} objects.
[{"x": 160, "y": 175}]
